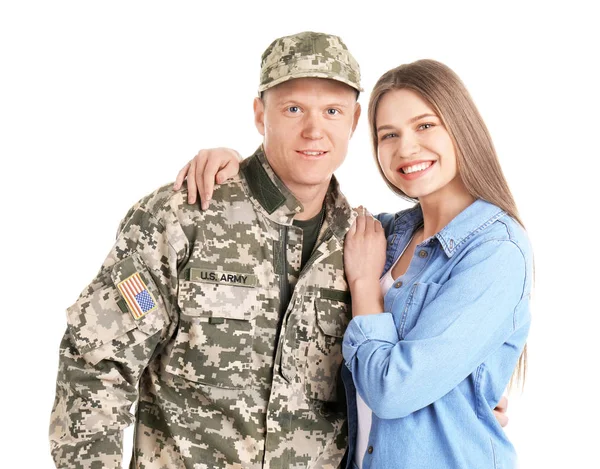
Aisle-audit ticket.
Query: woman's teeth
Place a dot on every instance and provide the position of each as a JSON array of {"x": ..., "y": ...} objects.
[{"x": 416, "y": 167}]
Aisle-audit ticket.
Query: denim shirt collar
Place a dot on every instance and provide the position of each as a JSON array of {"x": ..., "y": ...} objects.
[
  {"x": 454, "y": 235},
  {"x": 466, "y": 224}
]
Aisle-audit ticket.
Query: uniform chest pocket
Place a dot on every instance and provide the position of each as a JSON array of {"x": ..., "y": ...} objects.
[
  {"x": 324, "y": 351},
  {"x": 420, "y": 296},
  {"x": 213, "y": 345}
]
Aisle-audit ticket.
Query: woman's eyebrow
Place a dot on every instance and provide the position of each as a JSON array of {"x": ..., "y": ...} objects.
[{"x": 419, "y": 117}]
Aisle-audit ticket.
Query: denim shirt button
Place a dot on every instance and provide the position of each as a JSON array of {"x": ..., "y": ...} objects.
[
  {"x": 398, "y": 284},
  {"x": 451, "y": 244},
  {"x": 422, "y": 254},
  {"x": 370, "y": 450}
]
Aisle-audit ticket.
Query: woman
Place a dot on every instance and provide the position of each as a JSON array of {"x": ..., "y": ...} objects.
[{"x": 434, "y": 341}]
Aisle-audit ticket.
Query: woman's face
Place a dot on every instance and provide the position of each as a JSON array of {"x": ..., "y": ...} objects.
[{"x": 415, "y": 150}]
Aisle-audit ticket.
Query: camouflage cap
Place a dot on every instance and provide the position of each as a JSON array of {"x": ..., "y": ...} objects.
[{"x": 308, "y": 54}]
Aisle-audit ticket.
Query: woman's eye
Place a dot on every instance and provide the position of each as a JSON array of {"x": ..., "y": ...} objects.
[
  {"x": 386, "y": 136},
  {"x": 332, "y": 111},
  {"x": 425, "y": 126}
]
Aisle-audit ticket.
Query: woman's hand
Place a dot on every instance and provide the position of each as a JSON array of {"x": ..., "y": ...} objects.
[
  {"x": 364, "y": 259},
  {"x": 207, "y": 167}
]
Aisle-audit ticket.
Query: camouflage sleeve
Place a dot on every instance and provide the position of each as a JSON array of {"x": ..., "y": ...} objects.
[{"x": 113, "y": 331}]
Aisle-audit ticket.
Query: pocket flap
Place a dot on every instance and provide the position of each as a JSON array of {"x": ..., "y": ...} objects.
[
  {"x": 216, "y": 301},
  {"x": 424, "y": 293},
  {"x": 333, "y": 311}
]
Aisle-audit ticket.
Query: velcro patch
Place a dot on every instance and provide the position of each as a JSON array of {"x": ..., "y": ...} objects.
[
  {"x": 336, "y": 295},
  {"x": 136, "y": 294},
  {"x": 227, "y": 278}
]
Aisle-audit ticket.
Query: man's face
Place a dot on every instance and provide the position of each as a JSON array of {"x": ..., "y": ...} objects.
[{"x": 306, "y": 124}]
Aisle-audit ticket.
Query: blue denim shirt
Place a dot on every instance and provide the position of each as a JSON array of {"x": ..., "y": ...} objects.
[{"x": 433, "y": 366}]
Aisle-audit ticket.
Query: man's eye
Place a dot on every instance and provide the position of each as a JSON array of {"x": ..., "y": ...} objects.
[
  {"x": 294, "y": 109},
  {"x": 332, "y": 111}
]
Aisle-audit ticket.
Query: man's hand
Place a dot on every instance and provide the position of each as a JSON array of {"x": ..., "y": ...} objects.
[
  {"x": 207, "y": 167},
  {"x": 500, "y": 412}
]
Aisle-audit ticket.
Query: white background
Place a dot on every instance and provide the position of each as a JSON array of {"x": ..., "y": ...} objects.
[{"x": 102, "y": 102}]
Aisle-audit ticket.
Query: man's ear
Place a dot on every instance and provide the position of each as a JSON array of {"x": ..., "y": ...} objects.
[
  {"x": 259, "y": 115},
  {"x": 357, "y": 111}
]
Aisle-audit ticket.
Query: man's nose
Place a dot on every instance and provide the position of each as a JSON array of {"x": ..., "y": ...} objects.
[{"x": 312, "y": 127}]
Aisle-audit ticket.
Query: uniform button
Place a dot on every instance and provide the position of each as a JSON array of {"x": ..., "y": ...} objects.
[
  {"x": 398, "y": 284},
  {"x": 370, "y": 450},
  {"x": 422, "y": 254}
]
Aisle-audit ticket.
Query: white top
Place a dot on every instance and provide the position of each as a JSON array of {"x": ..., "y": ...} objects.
[{"x": 364, "y": 413}]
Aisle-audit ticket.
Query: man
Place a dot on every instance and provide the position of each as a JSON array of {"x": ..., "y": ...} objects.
[{"x": 225, "y": 325}]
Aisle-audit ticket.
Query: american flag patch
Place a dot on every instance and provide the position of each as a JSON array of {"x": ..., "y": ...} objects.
[{"x": 136, "y": 294}]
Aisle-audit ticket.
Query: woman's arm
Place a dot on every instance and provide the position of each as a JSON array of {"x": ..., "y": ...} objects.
[
  {"x": 484, "y": 302},
  {"x": 208, "y": 167}
]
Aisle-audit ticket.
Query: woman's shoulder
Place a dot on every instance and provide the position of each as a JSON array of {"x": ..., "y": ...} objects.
[
  {"x": 502, "y": 238},
  {"x": 504, "y": 228}
]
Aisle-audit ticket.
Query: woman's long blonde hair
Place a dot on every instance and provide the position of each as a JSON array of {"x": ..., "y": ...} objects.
[{"x": 477, "y": 162}]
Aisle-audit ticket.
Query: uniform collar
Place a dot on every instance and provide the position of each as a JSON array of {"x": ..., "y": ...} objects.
[
  {"x": 454, "y": 235},
  {"x": 339, "y": 215},
  {"x": 268, "y": 190},
  {"x": 280, "y": 205}
]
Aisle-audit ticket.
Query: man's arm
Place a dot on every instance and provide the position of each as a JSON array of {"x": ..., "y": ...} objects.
[{"x": 114, "y": 329}]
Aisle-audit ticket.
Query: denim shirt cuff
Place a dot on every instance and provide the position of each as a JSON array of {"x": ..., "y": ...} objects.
[{"x": 379, "y": 327}]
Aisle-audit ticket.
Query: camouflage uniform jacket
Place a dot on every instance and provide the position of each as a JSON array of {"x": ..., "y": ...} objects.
[{"x": 198, "y": 345}]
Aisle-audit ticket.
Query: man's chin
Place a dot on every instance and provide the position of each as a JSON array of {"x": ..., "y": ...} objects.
[{"x": 312, "y": 182}]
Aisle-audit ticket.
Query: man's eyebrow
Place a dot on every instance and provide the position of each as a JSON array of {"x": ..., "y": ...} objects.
[
  {"x": 288, "y": 102},
  {"x": 337, "y": 105},
  {"x": 299, "y": 103}
]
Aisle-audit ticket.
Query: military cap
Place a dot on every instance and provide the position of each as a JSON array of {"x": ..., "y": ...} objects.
[{"x": 308, "y": 54}]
